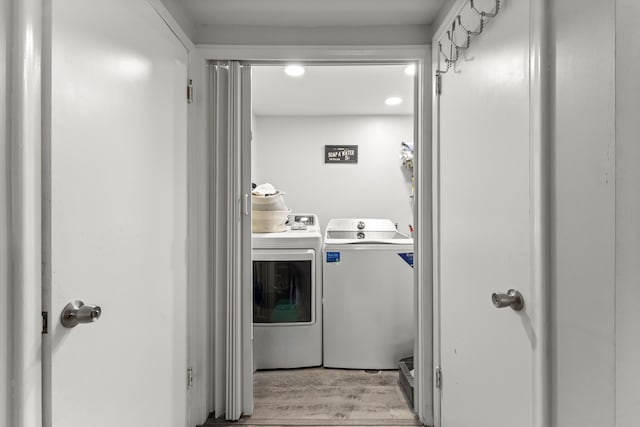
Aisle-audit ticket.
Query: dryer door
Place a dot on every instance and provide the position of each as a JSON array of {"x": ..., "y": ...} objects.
[{"x": 284, "y": 287}]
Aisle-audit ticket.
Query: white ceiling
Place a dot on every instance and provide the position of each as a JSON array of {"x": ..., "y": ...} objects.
[
  {"x": 323, "y": 90},
  {"x": 331, "y": 90},
  {"x": 311, "y": 13}
]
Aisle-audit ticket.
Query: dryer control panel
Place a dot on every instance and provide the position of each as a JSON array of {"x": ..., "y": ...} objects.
[{"x": 302, "y": 219}]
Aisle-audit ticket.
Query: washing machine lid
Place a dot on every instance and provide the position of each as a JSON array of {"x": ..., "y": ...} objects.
[{"x": 361, "y": 224}]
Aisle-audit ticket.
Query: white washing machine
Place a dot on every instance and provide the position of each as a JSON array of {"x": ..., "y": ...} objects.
[
  {"x": 287, "y": 295},
  {"x": 368, "y": 294}
]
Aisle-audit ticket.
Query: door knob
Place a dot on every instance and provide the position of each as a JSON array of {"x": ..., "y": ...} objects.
[
  {"x": 511, "y": 299},
  {"x": 77, "y": 312}
]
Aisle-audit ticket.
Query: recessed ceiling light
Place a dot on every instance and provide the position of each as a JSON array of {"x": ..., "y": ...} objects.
[
  {"x": 294, "y": 70},
  {"x": 394, "y": 100},
  {"x": 410, "y": 70}
]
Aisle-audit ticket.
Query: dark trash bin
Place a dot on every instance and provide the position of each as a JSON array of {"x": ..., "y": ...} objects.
[{"x": 406, "y": 380}]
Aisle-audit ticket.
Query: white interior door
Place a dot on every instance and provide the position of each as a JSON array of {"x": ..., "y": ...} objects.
[
  {"x": 486, "y": 228},
  {"x": 118, "y": 202},
  {"x": 246, "y": 262}
]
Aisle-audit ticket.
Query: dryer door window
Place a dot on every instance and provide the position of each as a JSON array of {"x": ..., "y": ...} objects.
[{"x": 283, "y": 291}]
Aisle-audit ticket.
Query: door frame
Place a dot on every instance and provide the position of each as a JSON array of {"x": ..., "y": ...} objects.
[
  {"x": 23, "y": 287},
  {"x": 422, "y": 209},
  {"x": 540, "y": 199}
]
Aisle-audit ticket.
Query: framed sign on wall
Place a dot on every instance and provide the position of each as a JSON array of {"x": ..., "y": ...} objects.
[{"x": 341, "y": 154}]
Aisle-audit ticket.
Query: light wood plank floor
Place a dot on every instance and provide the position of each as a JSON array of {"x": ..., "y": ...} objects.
[{"x": 327, "y": 397}]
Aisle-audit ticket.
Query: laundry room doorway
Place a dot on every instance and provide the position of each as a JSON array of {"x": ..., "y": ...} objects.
[
  {"x": 232, "y": 102},
  {"x": 332, "y": 154}
]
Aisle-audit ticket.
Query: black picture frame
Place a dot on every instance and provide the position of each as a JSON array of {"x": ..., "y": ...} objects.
[{"x": 346, "y": 154}]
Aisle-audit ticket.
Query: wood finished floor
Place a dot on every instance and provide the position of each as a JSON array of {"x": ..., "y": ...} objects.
[{"x": 326, "y": 397}]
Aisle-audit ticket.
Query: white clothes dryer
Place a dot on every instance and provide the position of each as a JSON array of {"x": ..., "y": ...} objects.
[{"x": 287, "y": 295}]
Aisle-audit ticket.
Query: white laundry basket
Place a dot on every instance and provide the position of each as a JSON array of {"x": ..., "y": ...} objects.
[
  {"x": 273, "y": 202},
  {"x": 269, "y": 221}
]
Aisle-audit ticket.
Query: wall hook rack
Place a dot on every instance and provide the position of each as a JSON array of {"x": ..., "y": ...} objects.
[
  {"x": 451, "y": 34},
  {"x": 448, "y": 62},
  {"x": 454, "y": 48},
  {"x": 484, "y": 14},
  {"x": 470, "y": 33}
]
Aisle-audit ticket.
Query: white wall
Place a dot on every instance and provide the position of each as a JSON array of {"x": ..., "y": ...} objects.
[
  {"x": 597, "y": 208},
  {"x": 627, "y": 213},
  {"x": 289, "y": 153},
  {"x": 180, "y": 15},
  {"x": 583, "y": 214},
  {"x": 446, "y": 7},
  {"x": 344, "y": 35},
  {"x": 4, "y": 224}
]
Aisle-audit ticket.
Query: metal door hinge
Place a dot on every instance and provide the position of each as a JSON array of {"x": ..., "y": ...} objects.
[
  {"x": 45, "y": 322},
  {"x": 189, "y": 378},
  {"x": 190, "y": 91},
  {"x": 438, "y": 83},
  {"x": 438, "y": 377}
]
